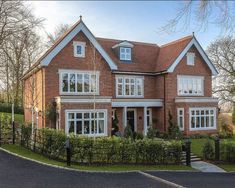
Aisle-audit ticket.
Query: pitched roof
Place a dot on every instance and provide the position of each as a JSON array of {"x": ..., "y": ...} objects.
[
  {"x": 144, "y": 55},
  {"x": 170, "y": 51}
]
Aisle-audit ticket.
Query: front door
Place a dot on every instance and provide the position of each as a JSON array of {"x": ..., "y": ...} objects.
[{"x": 131, "y": 118}]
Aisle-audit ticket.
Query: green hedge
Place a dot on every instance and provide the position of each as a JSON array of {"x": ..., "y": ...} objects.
[
  {"x": 104, "y": 150},
  {"x": 227, "y": 151},
  {"x": 5, "y": 107}
]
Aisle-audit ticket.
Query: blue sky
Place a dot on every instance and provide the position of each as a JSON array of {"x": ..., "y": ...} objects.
[{"x": 137, "y": 21}]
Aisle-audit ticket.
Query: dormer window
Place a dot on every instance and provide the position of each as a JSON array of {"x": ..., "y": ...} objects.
[
  {"x": 125, "y": 54},
  {"x": 79, "y": 49},
  {"x": 190, "y": 58}
]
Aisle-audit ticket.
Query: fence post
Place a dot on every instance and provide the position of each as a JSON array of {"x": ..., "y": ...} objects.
[
  {"x": 188, "y": 152},
  {"x": 68, "y": 152},
  {"x": 217, "y": 148},
  {"x": 13, "y": 132}
]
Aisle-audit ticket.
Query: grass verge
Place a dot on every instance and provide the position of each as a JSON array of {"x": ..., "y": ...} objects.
[
  {"x": 227, "y": 167},
  {"x": 29, "y": 154}
]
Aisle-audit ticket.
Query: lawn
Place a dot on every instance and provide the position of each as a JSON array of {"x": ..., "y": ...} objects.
[
  {"x": 18, "y": 117},
  {"x": 29, "y": 154},
  {"x": 227, "y": 167}
]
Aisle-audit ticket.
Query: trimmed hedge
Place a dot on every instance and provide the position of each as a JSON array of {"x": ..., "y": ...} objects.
[
  {"x": 227, "y": 151},
  {"x": 5, "y": 107},
  {"x": 104, "y": 150}
]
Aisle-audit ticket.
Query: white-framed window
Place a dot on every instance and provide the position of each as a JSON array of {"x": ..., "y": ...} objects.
[
  {"x": 86, "y": 122},
  {"x": 125, "y": 53},
  {"x": 180, "y": 118},
  {"x": 79, "y": 49},
  {"x": 202, "y": 118},
  {"x": 79, "y": 82},
  {"x": 129, "y": 86},
  {"x": 149, "y": 118},
  {"x": 190, "y": 58},
  {"x": 190, "y": 85}
]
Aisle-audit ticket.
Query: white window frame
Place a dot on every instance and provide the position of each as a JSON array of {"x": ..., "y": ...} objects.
[
  {"x": 180, "y": 116},
  {"x": 125, "y": 54},
  {"x": 150, "y": 116},
  {"x": 113, "y": 114},
  {"x": 123, "y": 95},
  {"x": 195, "y": 116},
  {"x": 64, "y": 71},
  {"x": 83, "y": 46},
  {"x": 180, "y": 78},
  {"x": 86, "y": 111},
  {"x": 190, "y": 58}
]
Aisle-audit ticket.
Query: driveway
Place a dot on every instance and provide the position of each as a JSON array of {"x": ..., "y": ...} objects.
[{"x": 17, "y": 172}]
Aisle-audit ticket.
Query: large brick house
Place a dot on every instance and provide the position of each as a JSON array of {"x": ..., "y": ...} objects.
[{"x": 91, "y": 80}]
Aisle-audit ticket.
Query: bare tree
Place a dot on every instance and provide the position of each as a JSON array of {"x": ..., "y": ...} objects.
[
  {"x": 222, "y": 54},
  {"x": 200, "y": 14},
  {"x": 59, "y": 31}
]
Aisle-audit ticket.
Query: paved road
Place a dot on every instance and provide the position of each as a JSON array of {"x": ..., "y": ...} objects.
[{"x": 16, "y": 172}]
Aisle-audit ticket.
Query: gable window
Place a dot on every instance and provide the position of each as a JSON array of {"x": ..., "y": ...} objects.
[
  {"x": 79, "y": 49},
  {"x": 180, "y": 118},
  {"x": 129, "y": 86},
  {"x": 190, "y": 85},
  {"x": 202, "y": 118},
  {"x": 190, "y": 58},
  {"x": 86, "y": 122},
  {"x": 76, "y": 82},
  {"x": 125, "y": 53}
]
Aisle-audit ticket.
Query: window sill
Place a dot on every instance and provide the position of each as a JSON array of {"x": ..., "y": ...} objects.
[{"x": 202, "y": 129}]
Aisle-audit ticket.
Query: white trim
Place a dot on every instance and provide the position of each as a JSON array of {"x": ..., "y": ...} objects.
[
  {"x": 85, "y": 100},
  {"x": 196, "y": 100},
  {"x": 123, "y": 77},
  {"x": 178, "y": 118},
  {"x": 123, "y": 44},
  {"x": 145, "y": 121},
  {"x": 125, "y": 53},
  {"x": 83, "y": 49},
  {"x": 88, "y": 110},
  {"x": 135, "y": 117},
  {"x": 74, "y": 71},
  {"x": 137, "y": 103},
  {"x": 202, "y": 53},
  {"x": 180, "y": 77},
  {"x": 80, "y": 27},
  {"x": 203, "y": 128},
  {"x": 139, "y": 73}
]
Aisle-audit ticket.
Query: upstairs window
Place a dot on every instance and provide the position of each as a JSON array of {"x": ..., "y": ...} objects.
[
  {"x": 190, "y": 85},
  {"x": 190, "y": 58},
  {"x": 79, "y": 83},
  {"x": 79, "y": 49},
  {"x": 125, "y": 54},
  {"x": 127, "y": 86}
]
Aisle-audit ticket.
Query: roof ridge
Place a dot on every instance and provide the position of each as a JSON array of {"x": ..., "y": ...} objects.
[
  {"x": 119, "y": 40},
  {"x": 176, "y": 41}
]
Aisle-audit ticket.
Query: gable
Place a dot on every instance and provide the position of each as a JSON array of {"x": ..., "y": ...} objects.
[
  {"x": 195, "y": 43},
  {"x": 79, "y": 27}
]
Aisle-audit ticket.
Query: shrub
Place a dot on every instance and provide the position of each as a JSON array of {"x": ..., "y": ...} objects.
[
  {"x": 173, "y": 130},
  {"x": 227, "y": 151},
  {"x": 208, "y": 150},
  {"x": 226, "y": 130},
  {"x": 233, "y": 114},
  {"x": 151, "y": 133},
  {"x": 6, "y": 107},
  {"x": 115, "y": 121},
  {"x": 138, "y": 136},
  {"x": 128, "y": 133},
  {"x": 106, "y": 150}
]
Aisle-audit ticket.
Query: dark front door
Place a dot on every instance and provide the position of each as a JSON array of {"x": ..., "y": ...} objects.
[{"x": 131, "y": 119}]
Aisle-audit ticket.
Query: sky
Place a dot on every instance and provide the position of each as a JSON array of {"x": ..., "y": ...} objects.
[{"x": 134, "y": 21}]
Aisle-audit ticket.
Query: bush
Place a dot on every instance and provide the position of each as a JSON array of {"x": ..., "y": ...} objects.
[
  {"x": 138, "y": 136},
  {"x": 115, "y": 127},
  {"x": 173, "y": 130},
  {"x": 227, "y": 151},
  {"x": 106, "y": 150},
  {"x": 5, "y": 107},
  {"x": 151, "y": 133},
  {"x": 128, "y": 133},
  {"x": 233, "y": 114},
  {"x": 208, "y": 150},
  {"x": 226, "y": 130}
]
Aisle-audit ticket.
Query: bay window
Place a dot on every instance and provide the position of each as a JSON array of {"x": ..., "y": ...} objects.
[
  {"x": 190, "y": 85},
  {"x": 76, "y": 82},
  {"x": 202, "y": 118},
  {"x": 86, "y": 122},
  {"x": 129, "y": 86}
]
